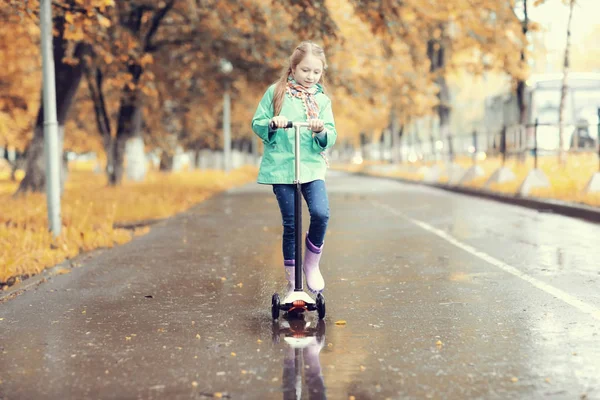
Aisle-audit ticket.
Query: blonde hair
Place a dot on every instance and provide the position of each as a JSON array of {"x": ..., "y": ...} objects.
[{"x": 297, "y": 56}]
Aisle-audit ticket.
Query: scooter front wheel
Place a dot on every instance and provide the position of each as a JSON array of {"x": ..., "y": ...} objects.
[
  {"x": 275, "y": 303},
  {"x": 321, "y": 306}
]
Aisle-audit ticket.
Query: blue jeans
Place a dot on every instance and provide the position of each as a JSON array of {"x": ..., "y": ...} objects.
[{"x": 316, "y": 198}]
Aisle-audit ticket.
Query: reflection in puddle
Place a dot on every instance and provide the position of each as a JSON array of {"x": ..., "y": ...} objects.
[{"x": 303, "y": 343}]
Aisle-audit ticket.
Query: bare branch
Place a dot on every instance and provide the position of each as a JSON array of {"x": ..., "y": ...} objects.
[{"x": 156, "y": 20}]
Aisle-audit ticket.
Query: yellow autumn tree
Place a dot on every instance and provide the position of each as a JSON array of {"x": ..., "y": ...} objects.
[{"x": 20, "y": 78}]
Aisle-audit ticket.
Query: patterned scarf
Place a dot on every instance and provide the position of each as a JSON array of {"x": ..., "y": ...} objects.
[{"x": 307, "y": 96}]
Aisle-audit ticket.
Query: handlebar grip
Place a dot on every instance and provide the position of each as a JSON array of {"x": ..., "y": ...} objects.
[{"x": 290, "y": 124}]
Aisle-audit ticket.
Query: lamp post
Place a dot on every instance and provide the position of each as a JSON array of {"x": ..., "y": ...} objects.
[
  {"x": 51, "y": 146},
  {"x": 226, "y": 69}
]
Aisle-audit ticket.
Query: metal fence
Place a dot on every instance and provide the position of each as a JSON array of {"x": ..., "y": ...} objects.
[{"x": 517, "y": 141}]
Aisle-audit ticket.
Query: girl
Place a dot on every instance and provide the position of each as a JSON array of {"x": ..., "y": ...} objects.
[{"x": 299, "y": 95}]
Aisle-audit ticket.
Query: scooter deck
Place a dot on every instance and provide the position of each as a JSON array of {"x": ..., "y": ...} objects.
[{"x": 295, "y": 296}]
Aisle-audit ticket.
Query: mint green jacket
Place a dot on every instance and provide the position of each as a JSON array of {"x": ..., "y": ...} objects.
[{"x": 277, "y": 165}]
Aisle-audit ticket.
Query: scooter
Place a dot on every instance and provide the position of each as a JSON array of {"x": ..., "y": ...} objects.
[{"x": 297, "y": 301}]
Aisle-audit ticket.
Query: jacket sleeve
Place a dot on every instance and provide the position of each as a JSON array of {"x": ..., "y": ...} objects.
[
  {"x": 324, "y": 141},
  {"x": 262, "y": 116}
]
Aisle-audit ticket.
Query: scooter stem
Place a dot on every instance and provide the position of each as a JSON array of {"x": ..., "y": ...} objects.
[
  {"x": 297, "y": 126},
  {"x": 298, "y": 207}
]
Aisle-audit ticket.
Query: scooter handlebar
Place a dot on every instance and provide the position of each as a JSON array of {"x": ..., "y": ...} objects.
[{"x": 290, "y": 124}]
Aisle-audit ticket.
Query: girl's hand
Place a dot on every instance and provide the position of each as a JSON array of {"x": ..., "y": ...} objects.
[
  {"x": 316, "y": 125},
  {"x": 279, "y": 121}
]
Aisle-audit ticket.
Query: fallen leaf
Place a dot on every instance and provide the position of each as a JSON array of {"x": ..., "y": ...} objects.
[
  {"x": 218, "y": 395},
  {"x": 340, "y": 322},
  {"x": 439, "y": 343},
  {"x": 363, "y": 368},
  {"x": 514, "y": 379},
  {"x": 62, "y": 271},
  {"x": 233, "y": 354},
  {"x": 127, "y": 337},
  {"x": 197, "y": 336},
  {"x": 195, "y": 384}
]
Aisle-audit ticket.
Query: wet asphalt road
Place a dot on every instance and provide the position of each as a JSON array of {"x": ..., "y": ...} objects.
[{"x": 443, "y": 296}]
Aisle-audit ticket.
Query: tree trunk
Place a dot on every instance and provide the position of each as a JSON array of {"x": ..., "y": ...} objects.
[
  {"x": 13, "y": 172},
  {"x": 521, "y": 82},
  {"x": 130, "y": 118},
  {"x": 444, "y": 107},
  {"x": 67, "y": 82},
  {"x": 166, "y": 162},
  {"x": 169, "y": 152},
  {"x": 437, "y": 50},
  {"x": 564, "y": 89},
  {"x": 520, "y": 89},
  {"x": 395, "y": 138},
  {"x": 129, "y": 124},
  {"x": 444, "y": 114},
  {"x": 95, "y": 82},
  {"x": 246, "y": 146},
  {"x": 400, "y": 134}
]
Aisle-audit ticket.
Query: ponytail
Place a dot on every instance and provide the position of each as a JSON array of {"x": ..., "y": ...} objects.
[{"x": 279, "y": 92}]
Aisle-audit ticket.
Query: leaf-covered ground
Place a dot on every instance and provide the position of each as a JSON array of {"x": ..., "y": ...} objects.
[{"x": 92, "y": 214}]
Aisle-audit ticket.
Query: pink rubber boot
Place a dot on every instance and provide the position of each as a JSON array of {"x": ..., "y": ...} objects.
[
  {"x": 314, "y": 279},
  {"x": 290, "y": 275}
]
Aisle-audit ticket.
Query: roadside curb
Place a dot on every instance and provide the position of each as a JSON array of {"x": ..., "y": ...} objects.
[
  {"x": 62, "y": 268},
  {"x": 8, "y": 292},
  {"x": 587, "y": 213},
  {"x": 137, "y": 224},
  {"x": 44, "y": 276},
  {"x": 66, "y": 265}
]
